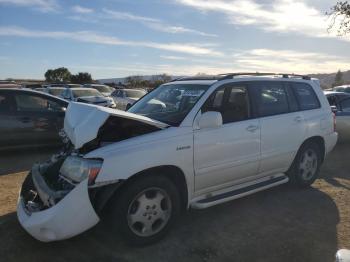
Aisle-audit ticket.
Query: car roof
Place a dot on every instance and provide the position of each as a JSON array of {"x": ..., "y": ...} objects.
[
  {"x": 255, "y": 76},
  {"x": 27, "y": 90}
]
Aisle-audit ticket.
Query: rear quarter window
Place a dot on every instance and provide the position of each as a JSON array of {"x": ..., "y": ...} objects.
[{"x": 306, "y": 96}]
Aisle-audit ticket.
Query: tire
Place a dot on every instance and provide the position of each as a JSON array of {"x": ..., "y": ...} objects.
[
  {"x": 145, "y": 210},
  {"x": 306, "y": 165}
]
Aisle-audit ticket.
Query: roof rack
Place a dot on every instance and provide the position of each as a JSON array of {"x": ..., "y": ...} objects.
[
  {"x": 221, "y": 77},
  {"x": 283, "y": 75}
]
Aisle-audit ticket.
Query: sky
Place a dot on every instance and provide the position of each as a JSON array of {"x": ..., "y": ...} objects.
[{"x": 117, "y": 38}]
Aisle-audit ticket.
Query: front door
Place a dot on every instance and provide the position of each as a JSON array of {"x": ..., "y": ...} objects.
[{"x": 229, "y": 154}]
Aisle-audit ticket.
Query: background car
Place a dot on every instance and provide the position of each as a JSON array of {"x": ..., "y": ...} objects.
[
  {"x": 341, "y": 101},
  {"x": 65, "y": 85},
  {"x": 343, "y": 88},
  {"x": 33, "y": 86},
  {"x": 103, "y": 89},
  {"x": 29, "y": 118},
  {"x": 55, "y": 91},
  {"x": 334, "y": 97},
  {"x": 125, "y": 98},
  {"x": 87, "y": 95}
]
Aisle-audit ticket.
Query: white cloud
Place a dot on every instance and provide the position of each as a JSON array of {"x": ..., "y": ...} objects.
[
  {"x": 153, "y": 23},
  {"x": 41, "y": 5},
  {"x": 255, "y": 60},
  {"x": 169, "y": 57},
  {"x": 276, "y": 15},
  {"x": 128, "y": 16},
  {"x": 93, "y": 37},
  {"x": 81, "y": 10},
  {"x": 290, "y": 61}
]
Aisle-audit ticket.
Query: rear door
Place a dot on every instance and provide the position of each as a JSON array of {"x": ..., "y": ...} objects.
[
  {"x": 229, "y": 154},
  {"x": 41, "y": 117},
  {"x": 9, "y": 124},
  {"x": 282, "y": 125}
]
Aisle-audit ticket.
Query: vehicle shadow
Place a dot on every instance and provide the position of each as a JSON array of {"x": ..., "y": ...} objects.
[
  {"x": 336, "y": 170},
  {"x": 281, "y": 224},
  {"x": 15, "y": 161}
]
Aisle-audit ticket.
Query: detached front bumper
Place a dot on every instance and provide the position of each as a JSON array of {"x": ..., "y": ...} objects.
[{"x": 72, "y": 215}]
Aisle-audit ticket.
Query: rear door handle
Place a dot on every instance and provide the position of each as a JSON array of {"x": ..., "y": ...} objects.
[
  {"x": 298, "y": 119},
  {"x": 252, "y": 128}
]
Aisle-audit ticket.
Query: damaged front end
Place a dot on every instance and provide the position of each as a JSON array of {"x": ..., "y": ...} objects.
[
  {"x": 52, "y": 206},
  {"x": 59, "y": 198}
]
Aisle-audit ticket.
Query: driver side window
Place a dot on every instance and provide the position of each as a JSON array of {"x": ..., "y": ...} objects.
[{"x": 231, "y": 101}]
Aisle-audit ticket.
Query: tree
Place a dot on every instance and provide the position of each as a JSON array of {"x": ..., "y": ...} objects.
[
  {"x": 81, "y": 78},
  {"x": 340, "y": 17},
  {"x": 58, "y": 75},
  {"x": 338, "y": 81},
  {"x": 134, "y": 81}
]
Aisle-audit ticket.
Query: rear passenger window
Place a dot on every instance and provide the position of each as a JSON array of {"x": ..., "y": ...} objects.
[
  {"x": 306, "y": 96},
  {"x": 271, "y": 98}
]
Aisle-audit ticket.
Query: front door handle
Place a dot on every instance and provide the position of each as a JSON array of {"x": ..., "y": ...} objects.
[{"x": 252, "y": 128}]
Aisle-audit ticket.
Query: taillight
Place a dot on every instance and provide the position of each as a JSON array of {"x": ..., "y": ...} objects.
[{"x": 334, "y": 122}]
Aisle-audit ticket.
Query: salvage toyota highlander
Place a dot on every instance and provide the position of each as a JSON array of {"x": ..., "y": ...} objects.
[{"x": 190, "y": 143}]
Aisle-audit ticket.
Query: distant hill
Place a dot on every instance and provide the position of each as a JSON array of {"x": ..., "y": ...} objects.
[
  {"x": 122, "y": 80},
  {"x": 328, "y": 79}
]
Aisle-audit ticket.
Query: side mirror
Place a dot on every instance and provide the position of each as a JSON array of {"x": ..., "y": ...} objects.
[
  {"x": 210, "y": 119},
  {"x": 334, "y": 109}
]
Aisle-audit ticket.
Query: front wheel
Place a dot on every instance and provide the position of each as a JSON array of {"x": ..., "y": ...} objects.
[
  {"x": 306, "y": 166},
  {"x": 146, "y": 209}
]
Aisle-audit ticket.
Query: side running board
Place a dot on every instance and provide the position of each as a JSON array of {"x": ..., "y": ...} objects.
[{"x": 240, "y": 191}]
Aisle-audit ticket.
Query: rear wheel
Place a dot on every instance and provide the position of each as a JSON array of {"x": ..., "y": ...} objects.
[
  {"x": 146, "y": 209},
  {"x": 306, "y": 166}
]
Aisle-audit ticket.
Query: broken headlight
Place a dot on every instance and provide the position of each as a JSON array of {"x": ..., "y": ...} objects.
[{"x": 77, "y": 169}]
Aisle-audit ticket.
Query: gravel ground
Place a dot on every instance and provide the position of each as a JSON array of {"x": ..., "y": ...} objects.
[{"x": 280, "y": 224}]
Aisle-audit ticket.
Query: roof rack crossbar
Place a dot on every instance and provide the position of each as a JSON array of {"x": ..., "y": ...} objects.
[
  {"x": 284, "y": 75},
  {"x": 221, "y": 77}
]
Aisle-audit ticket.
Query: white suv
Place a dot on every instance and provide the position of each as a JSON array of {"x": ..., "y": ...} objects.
[{"x": 190, "y": 143}]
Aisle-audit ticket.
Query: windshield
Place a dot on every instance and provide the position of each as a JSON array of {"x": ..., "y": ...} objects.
[
  {"x": 56, "y": 92},
  {"x": 135, "y": 93},
  {"x": 103, "y": 89},
  {"x": 87, "y": 92},
  {"x": 169, "y": 103}
]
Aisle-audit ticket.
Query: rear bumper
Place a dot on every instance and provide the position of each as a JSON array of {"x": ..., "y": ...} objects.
[
  {"x": 71, "y": 216},
  {"x": 331, "y": 141}
]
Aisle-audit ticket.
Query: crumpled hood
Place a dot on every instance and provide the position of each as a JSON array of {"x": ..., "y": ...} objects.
[{"x": 83, "y": 121}]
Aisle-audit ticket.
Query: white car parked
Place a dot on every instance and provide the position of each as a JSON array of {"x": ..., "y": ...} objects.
[
  {"x": 87, "y": 95},
  {"x": 214, "y": 141},
  {"x": 103, "y": 89},
  {"x": 125, "y": 98}
]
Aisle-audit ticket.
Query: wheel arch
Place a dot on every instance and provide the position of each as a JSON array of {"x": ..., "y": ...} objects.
[
  {"x": 319, "y": 140},
  {"x": 173, "y": 173}
]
